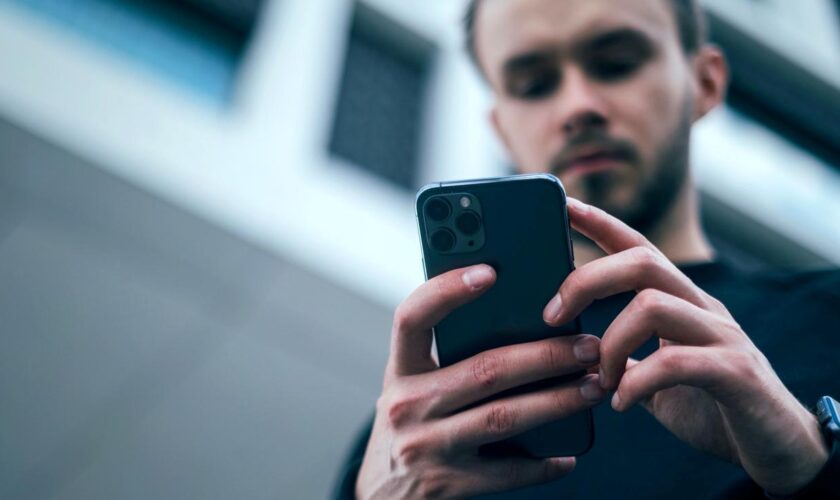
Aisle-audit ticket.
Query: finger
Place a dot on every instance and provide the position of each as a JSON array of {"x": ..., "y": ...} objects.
[
  {"x": 506, "y": 417},
  {"x": 669, "y": 366},
  {"x": 629, "y": 270},
  {"x": 499, "y": 369},
  {"x": 490, "y": 475},
  {"x": 650, "y": 313},
  {"x": 606, "y": 231},
  {"x": 411, "y": 335}
]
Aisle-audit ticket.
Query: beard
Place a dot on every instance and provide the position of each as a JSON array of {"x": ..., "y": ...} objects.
[{"x": 656, "y": 191}]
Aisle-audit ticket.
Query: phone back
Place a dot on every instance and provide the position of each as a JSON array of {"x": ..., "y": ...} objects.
[{"x": 519, "y": 226}]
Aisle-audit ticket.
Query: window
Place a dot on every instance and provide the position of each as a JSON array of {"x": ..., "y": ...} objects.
[
  {"x": 379, "y": 115},
  {"x": 194, "y": 43}
]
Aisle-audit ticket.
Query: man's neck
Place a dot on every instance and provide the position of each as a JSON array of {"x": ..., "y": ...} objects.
[{"x": 679, "y": 234}]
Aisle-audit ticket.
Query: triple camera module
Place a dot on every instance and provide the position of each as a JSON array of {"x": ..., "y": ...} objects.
[{"x": 453, "y": 223}]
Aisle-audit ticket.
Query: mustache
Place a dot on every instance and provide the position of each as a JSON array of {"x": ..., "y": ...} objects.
[{"x": 593, "y": 142}]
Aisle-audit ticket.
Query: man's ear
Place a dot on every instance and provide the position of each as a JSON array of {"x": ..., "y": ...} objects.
[{"x": 711, "y": 77}]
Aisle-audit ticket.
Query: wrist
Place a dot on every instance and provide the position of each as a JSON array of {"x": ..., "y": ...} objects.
[{"x": 812, "y": 455}]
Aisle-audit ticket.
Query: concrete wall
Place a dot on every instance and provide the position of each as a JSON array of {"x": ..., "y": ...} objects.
[{"x": 145, "y": 353}]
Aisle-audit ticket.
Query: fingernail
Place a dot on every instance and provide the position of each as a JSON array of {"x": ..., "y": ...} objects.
[
  {"x": 616, "y": 401},
  {"x": 562, "y": 465},
  {"x": 478, "y": 277},
  {"x": 591, "y": 390},
  {"x": 601, "y": 377},
  {"x": 552, "y": 309},
  {"x": 587, "y": 349}
]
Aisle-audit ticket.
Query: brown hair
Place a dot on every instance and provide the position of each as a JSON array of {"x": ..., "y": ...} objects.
[{"x": 691, "y": 26}]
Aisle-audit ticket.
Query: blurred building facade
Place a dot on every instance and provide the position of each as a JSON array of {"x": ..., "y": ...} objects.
[{"x": 206, "y": 217}]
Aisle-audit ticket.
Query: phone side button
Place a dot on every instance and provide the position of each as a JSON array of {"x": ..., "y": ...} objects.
[{"x": 571, "y": 251}]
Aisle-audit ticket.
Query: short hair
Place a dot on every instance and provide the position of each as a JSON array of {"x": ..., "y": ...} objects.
[{"x": 691, "y": 26}]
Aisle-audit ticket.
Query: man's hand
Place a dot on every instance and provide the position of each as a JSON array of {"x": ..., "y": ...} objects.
[
  {"x": 424, "y": 442},
  {"x": 707, "y": 383}
]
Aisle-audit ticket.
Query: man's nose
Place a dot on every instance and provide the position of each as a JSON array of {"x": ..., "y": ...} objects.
[{"x": 579, "y": 106}]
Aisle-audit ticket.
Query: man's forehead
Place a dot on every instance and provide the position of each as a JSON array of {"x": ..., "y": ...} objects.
[{"x": 505, "y": 28}]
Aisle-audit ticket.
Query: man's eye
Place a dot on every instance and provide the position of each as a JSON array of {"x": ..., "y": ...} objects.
[
  {"x": 536, "y": 86},
  {"x": 610, "y": 69}
]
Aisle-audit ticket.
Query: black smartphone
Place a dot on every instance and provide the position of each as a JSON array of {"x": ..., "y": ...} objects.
[{"x": 518, "y": 225}]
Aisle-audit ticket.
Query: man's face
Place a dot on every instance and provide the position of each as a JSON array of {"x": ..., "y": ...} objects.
[{"x": 598, "y": 92}]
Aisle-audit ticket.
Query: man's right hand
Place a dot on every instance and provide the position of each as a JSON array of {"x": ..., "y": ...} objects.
[{"x": 425, "y": 443}]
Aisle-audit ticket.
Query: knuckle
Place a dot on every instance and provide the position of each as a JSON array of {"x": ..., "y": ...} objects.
[
  {"x": 709, "y": 303},
  {"x": 449, "y": 288},
  {"x": 515, "y": 473},
  {"x": 500, "y": 419},
  {"x": 404, "y": 317},
  {"x": 652, "y": 303},
  {"x": 486, "y": 369},
  {"x": 573, "y": 283},
  {"x": 648, "y": 259},
  {"x": 713, "y": 303},
  {"x": 399, "y": 407},
  {"x": 548, "y": 472},
  {"x": 434, "y": 483},
  {"x": 439, "y": 285},
  {"x": 564, "y": 403},
  {"x": 670, "y": 361},
  {"x": 746, "y": 364},
  {"x": 409, "y": 450},
  {"x": 399, "y": 413},
  {"x": 609, "y": 346},
  {"x": 732, "y": 331},
  {"x": 552, "y": 356}
]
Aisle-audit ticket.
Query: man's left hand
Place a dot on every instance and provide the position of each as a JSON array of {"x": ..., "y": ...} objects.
[{"x": 707, "y": 383}]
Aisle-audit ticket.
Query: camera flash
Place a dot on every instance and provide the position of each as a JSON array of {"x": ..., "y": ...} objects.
[{"x": 465, "y": 201}]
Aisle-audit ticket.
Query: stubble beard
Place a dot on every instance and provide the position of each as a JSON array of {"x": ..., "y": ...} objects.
[{"x": 658, "y": 190}]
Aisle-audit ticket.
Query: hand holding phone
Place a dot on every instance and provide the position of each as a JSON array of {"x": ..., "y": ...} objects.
[
  {"x": 431, "y": 422},
  {"x": 424, "y": 443},
  {"x": 519, "y": 226}
]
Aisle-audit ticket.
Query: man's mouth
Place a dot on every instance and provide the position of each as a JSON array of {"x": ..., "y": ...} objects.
[{"x": 589, "y": 162}]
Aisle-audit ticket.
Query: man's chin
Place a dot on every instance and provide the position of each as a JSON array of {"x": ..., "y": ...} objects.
[
  {"x": 630, "y": 206},
  {"x": 604, "y": 190}
]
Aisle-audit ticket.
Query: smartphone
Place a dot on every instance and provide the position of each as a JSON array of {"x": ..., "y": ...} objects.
[{"x": 518, "y": 225}]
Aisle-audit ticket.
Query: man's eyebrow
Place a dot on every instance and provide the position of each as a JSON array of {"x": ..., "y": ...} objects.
[
  {"x": 527, "y": 60},
  {"x": 612, "y": 38},
  {"x": 605, "y": 39}
]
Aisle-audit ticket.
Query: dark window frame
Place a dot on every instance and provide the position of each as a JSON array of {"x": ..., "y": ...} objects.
[
  {"x": 408, "y": 52},
  {"x": 779, "y": 93}
]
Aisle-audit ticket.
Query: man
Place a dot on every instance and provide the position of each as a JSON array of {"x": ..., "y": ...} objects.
[{"x": 603, "y": 93}]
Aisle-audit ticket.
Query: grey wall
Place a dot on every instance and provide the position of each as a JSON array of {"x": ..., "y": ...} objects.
[{"x": 147, "y": 354}]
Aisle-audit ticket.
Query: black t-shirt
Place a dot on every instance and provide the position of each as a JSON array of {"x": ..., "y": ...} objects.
[{"x": 793, "y": 318}]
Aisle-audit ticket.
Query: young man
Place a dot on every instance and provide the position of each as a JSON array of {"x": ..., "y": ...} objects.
[{"x": 603, "y": 94}]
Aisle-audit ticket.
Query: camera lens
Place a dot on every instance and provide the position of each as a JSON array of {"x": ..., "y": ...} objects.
[
  {"x": 443, "y": 240},
  {"x": 438, "y": 209},
  {"x": 468, "y": 222}
]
